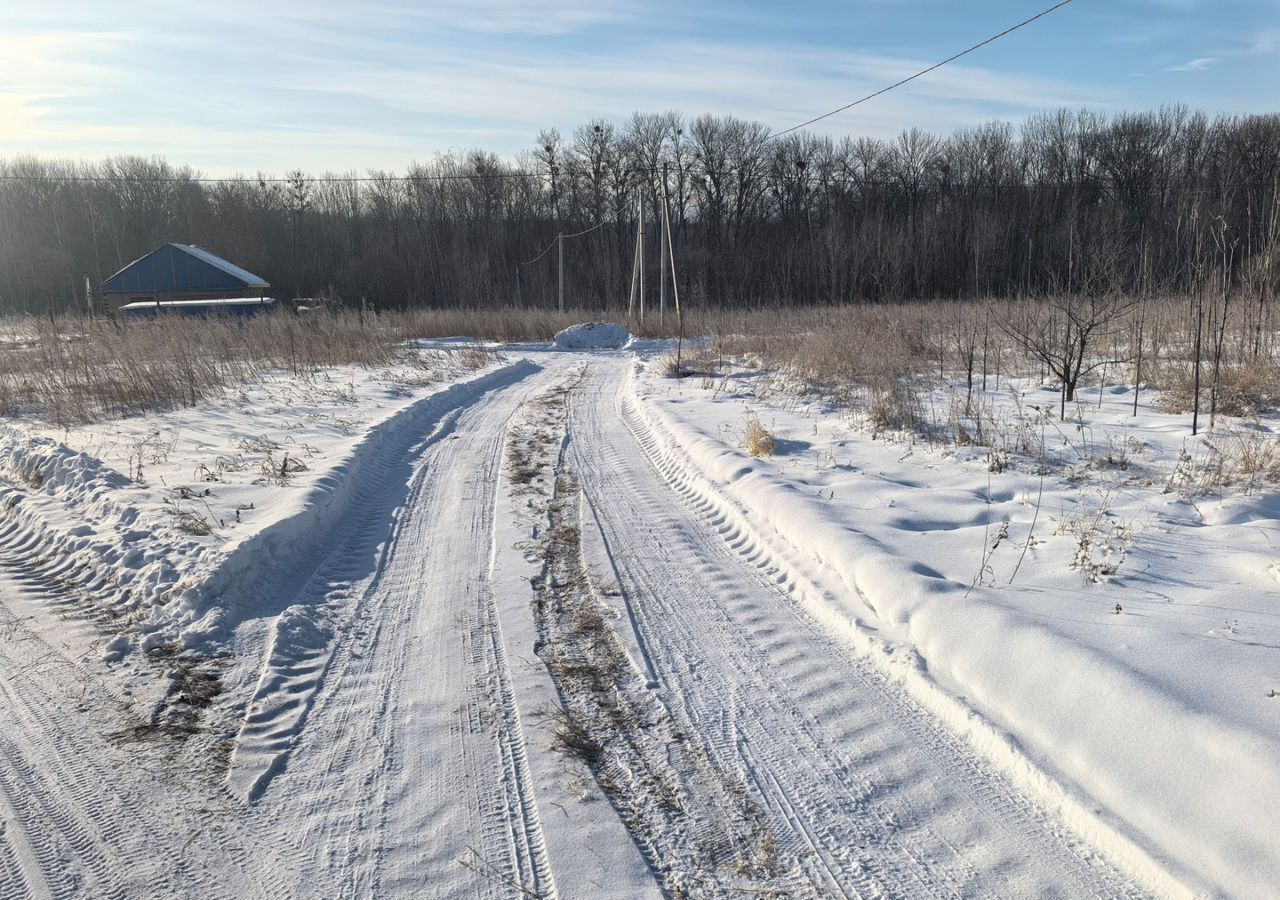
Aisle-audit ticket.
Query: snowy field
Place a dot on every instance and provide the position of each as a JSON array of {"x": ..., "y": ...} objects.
[{"x": 534, "y": 622}]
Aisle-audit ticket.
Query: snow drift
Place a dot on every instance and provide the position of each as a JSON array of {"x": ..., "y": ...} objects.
[{"x": 593, "y": 336}]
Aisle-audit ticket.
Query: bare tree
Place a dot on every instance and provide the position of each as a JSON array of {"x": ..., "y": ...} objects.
[
  {"x": 1068, "y": 201},
  {"x": 1063, "y": 333}
]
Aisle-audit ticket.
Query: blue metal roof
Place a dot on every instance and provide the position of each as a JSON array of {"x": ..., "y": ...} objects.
[{"x": 181, "y": 267}]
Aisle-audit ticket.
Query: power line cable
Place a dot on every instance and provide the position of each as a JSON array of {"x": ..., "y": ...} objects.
[
  {"x": 949, "y": 59},
  {"x": 559, "y": 236},
  {"x": 813, "y": 180},
  {"x": 240, "y": 179},
  {"x": 819, "y": 178}
]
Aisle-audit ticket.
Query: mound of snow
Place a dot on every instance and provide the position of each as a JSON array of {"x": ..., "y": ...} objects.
[{"x": 593, "y": 336}]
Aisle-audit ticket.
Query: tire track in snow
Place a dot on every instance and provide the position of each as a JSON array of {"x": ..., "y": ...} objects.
[
  {"x": 82, "y": 822},
  {"x": 408, "y": 778},
  {"x": 301, "y": 640},
  {"x": 692, "y": 822},
  {"x": 848, "y": 764},
  {"x": 88, "y": 815},
  {"x": 1084, "y": 871},
  {"x": 518, "y": 808}
]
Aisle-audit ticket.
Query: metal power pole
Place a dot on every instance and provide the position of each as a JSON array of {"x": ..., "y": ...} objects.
[{"x": 560, "y": 292}]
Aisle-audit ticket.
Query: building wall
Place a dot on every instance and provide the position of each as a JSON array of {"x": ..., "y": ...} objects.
[{"x": 112, "y": 302}]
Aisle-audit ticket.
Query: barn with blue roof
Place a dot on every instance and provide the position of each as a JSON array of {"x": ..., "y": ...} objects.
[{"x": 185, "y": 278}]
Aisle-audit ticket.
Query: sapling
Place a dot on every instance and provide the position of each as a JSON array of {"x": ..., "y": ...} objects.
[{"x": 1031, "y": 532}]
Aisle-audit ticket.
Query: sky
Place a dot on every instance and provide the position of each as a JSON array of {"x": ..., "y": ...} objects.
[{"x": 233, "y": 86}]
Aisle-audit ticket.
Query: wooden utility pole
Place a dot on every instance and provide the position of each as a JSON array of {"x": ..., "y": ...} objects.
[
  {"x": 662, "y": 252},
  {"x": 637, "y": 265},
  {"x": 560, "y": 292},
  {"x": 631, "y": 298},
  {"x": 675, "y": 289},
  {"x": 635, "y": 277},
  {"x": 640, "y": 253}
]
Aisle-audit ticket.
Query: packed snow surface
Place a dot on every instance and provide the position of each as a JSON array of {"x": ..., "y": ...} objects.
[
  {"x": 593, "y": 336},
  {"x": 1098, "y": 604},
  {"x": 545, "y": 629}
]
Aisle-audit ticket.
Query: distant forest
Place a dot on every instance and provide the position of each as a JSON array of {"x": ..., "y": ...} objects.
[{"x": 1067, "y": 200}]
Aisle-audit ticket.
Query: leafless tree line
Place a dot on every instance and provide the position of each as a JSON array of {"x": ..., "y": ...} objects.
[{"x": 1069, "y": 203}]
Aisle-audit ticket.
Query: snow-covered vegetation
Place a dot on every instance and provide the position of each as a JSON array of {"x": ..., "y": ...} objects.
[{"x": 1099, "y": 587}]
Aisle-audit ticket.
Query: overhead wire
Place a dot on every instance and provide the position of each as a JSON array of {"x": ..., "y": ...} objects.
[
  {"x": 926, "y": 71},
  {"x": 559, "y": 236},
  {"x": 819, "y": 177}
]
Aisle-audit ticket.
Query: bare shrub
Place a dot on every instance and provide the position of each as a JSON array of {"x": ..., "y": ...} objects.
[
  {"x": 1064, "y": 333},
  {"x": 1102, "y": 542}
]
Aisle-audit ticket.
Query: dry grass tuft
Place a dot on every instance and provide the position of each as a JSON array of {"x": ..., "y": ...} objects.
[
  {"x": 893, "y": 407},
  {"x": 669, "y": 367},
  {"x": 757, "y": 439},
  {"x": 1237, "y": 456},
  {"x": 1244, "y": 390}
]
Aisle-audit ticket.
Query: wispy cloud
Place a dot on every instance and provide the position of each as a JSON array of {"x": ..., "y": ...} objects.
[
  {"x": 1266, "y": 41},
  {"x": 1199, "y": 64},
  {"x": 779, "y": 86},
  {"x": 536, "y": 17},
  {"x": 496, "y": 17},
  {"x": 42, "y": 69}
]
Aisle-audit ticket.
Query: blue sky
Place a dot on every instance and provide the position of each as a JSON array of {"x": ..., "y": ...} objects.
[{"x": 235, "y": 86}]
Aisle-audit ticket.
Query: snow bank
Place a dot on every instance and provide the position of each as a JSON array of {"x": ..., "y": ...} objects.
[
  {"x": 593, "y": 336},
  {"x": 70, "y": 522},
  {"x": 279, "y": 559},
  {"x": 1178, "y": 793},
  {"x": 119, "y": 547}
]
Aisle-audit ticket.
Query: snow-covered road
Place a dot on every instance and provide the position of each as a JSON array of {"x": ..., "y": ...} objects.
[
  {"x": 407, "y": 775},
  {"x": 864, "y": 793},
  {"x": 391, "y": 706}
]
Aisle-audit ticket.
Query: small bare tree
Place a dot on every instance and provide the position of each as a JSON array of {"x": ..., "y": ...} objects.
[
  {"x": 1222, "y": 309},
  {"x": 966, "y": 344},
  {"x": 1064, "y": 332}
]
